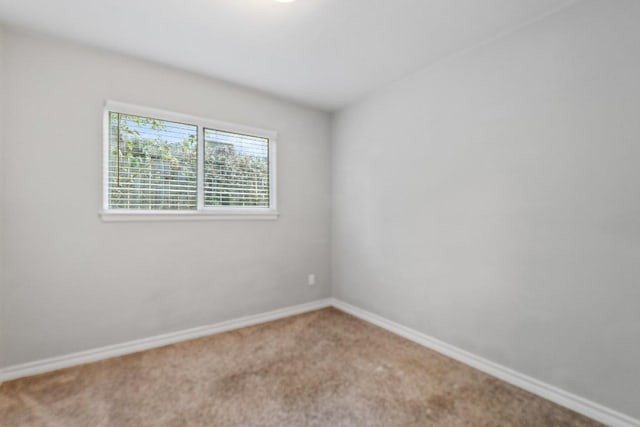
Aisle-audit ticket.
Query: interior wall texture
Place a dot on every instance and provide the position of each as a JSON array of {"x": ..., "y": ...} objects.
[
  {"x": 492, "y": 201},
  {"x": 72, "y": 282},
  {"x": 2, "y": 297}
]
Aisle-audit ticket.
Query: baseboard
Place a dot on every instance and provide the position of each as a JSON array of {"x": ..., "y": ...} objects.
[
  {"x": 54, "y": 363},
  {"x": 576, "y": 403},
  {"x": 561, "y": 397}
]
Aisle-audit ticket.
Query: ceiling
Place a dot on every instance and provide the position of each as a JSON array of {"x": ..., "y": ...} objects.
[{"x": 322, "y": 53}]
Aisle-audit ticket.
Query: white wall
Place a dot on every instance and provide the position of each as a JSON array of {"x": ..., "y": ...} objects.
[
  {"x": 493, "y": 201},
  {"x": 73, "y": 282}
]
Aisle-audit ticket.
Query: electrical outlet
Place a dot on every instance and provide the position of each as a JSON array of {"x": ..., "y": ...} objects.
[{"x": 311, "y": 279}]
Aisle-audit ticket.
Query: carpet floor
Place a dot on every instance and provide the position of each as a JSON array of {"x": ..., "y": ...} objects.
[{"x": 324, "y": 368}]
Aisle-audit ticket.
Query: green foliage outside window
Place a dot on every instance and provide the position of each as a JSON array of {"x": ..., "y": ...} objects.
[{"x": 153, "y": 165}]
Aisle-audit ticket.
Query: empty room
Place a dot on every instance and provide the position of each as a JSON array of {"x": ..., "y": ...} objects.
[{"x": 319, "y": 213}]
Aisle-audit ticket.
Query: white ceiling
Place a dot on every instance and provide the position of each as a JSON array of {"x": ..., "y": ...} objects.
[{"x": 322, "y": 53}]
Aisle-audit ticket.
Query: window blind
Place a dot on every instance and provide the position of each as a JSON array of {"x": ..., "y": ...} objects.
[
  {"x": 152, "y": 163},
  {"x": 236, "y": 169}
]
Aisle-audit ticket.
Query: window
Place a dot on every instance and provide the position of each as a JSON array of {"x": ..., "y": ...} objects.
[{"x": 162, "y": 165}]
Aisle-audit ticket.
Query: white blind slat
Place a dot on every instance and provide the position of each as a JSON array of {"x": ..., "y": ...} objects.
[
  {"x": 236, "y": 169},
  {"x": 153, "y": 164}
]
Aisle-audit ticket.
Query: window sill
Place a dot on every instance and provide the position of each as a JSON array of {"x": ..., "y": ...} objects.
[{"x": 206, "y": 215}]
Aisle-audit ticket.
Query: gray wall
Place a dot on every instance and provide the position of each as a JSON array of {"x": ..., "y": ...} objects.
[
  {"x": 72, "y": 282},
  {"x": 2, "y": 295},
  {"x": 493, "y": 201}
]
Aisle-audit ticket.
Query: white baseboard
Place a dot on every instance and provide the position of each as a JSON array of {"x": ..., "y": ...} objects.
[
  {"x": 561, "y": 397},
  {"x": 59, "y": 362},
  {"x": 576, "y": 403}
]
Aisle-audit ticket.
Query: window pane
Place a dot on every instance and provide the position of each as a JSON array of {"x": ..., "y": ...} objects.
[
  {"x": 152, "y": 163},
  {"x": 236, "y": 170}
]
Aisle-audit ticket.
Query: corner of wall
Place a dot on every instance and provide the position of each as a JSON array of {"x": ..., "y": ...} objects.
[{"x": 332, "y": 140}]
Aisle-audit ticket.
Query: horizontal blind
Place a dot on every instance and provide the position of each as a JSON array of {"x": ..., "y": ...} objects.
[
  {"x": 152, "y": 163},
  {"x": 236, "y": 169}
]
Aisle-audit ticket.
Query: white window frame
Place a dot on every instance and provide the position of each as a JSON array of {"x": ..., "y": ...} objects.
[{"x": 202, "y": 212}]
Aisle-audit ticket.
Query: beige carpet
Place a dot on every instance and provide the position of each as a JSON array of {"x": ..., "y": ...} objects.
[{"x": 324, "y": 368}]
